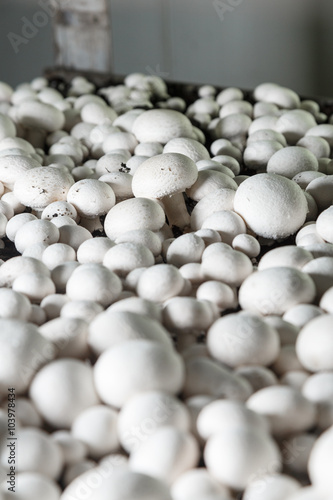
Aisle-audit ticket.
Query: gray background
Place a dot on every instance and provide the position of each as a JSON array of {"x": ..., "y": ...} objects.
[{"x": 285, "y": 41}]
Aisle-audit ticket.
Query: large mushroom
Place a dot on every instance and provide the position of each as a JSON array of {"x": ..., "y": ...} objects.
[{"x": 164, "y": 178}]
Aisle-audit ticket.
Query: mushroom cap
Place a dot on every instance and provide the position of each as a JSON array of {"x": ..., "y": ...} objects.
[
  {"x": 121, "y": 484},
  {"x": 23, "y": 351},
  {"x": 180, "y": 453},
  {"x": 161, "y": 125},
  {"x": 96, "y": 427},
  {"x": 314, "y": 345},
  {"x": 135, "y": 213},
  {"x": 39, "y": 453},
  {"x": 40, "y": 186},
  {"x": 243, "y": 338},
  {"x": 230, "y": 457},
  {"x": 136, "y": 366},
  {"x": 271, "y": 205},
  {"x": 35, "y": 486},
  {"x": 150, "y": 411},
  {"x": 188, "y": 147},
  {"x": 164, "y": 175},
  {"x": 67, "y": 399},
  {"x": 319, "y": 468},
  {"x": 275, "y": 290},
  {"x": 286, "y": 409}
]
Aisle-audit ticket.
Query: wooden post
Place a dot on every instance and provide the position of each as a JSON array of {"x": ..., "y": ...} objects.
[{"x": 82, "y": 35}]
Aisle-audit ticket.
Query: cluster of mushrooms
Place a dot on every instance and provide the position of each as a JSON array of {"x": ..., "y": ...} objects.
[{"x": 166, "y": 300}]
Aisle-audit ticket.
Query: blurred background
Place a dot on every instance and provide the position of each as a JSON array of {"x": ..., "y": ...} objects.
[{"x": 222, "y": 42}]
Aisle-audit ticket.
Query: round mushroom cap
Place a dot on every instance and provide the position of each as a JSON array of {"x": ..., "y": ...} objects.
[
  {"x": 23, "y": 351},
  {"x": 112, "y": 327},
  {"x": 198, "y": 483},
  {"x": 137, "y": 366},
  {"x": 38, "y": 453},
  {"x": 150, "y": 411},
  {"x": 67, "y": 399},
  {"x": 180, "y": 453},
  {"x": 242, "y": 339},
  {"x": 122, "y": 484},
  {"x": 96, "y": 427},
  {"x": 40, "y": 115},
  {"x": 161, "y": 125},
  {"x": 91, "y": 197},
  {"x": 94, "y": 282},
  {"x": 236, "y": 455},
  {"x": 292, "y": 160},
  {"x": 271, "y": 487},
  {"x": 188, "y": 147},
  {"x": 271, "y": 205},
  {"x": 275, "y": 290},
  {"x": 164, "y": 175},
  {"x": 286, "y": 409},
  {"x": 314, "y": 345},
  {"x": 35, "y": 486},
  {"x": 41, "y": 186},
  {"x": 12, "y": 167},
  {"x": 135, "y": 213},
  {"x": 222, "y": 414},
  {"x": 319, "y": 462}
]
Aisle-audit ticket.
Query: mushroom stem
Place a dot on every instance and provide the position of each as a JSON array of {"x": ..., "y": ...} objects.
[{"x": 176, "y": 211}]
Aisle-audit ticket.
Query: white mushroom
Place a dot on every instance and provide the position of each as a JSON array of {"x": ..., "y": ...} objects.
[
  {"x": 181, "y": 453},
  {"x": 94, "y": 282},
  {"x": 242, "y": 339},
  {"x": 136, "y": 213},
  {"x": 223, "y": 414},
  {"x": 96, "y": 427},
  {"x": 113, "y": 327},
  {"x": 91, "y": 197},
  {"x": 271, "y": 205},
  {"x": 227, "y": 223},
  {"x": 145, "y": 413},
  {"x": 286, "y": 409},
  {"x": 40, "y": 115},
  {"x": 121, "y": 482},
  {"x": 125, "y": 257},
  {"x": 286, "y": 256},
  {"x": 135, "y": 366},
  {"x": 222, "y": 295},
  {"x": 275, "y": 290},
  {"x": 36, "y": 486},
  {"x": 38, "y": 453},
  {"x": 23, "y": 352},
  {"x": 161, "y": 125},
  {"x": 214, "y": 201},
  {"x": 73, "y": 450},
  {"x": 160, "y": 282},
  {"x": 315, "y": 354},
  {"x": 164, "y": 177},
  {"x": 220, "y": 262},
  {"x": 226, "y": 450},
  {"x": 271, "y": 487},
  {"x": 291, "y": 161},
  {"x": 14, "y": 305},
  {"x": 40, "y": 186},
  {"x": 67, "y": 400},
  {"x": 36, "y": 231},
  {"x": 205, "y": 376},
  {"x": 319, "y": 462}
]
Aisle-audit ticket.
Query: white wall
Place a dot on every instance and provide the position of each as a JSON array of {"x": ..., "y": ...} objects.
[{"x": 224, "y": 42}]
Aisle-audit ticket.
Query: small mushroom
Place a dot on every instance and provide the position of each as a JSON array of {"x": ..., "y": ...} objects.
[
  {"x": 164, "y": 177},
  {"x": 66, "y": 401},
  {"x": 136, "y": 366}
]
